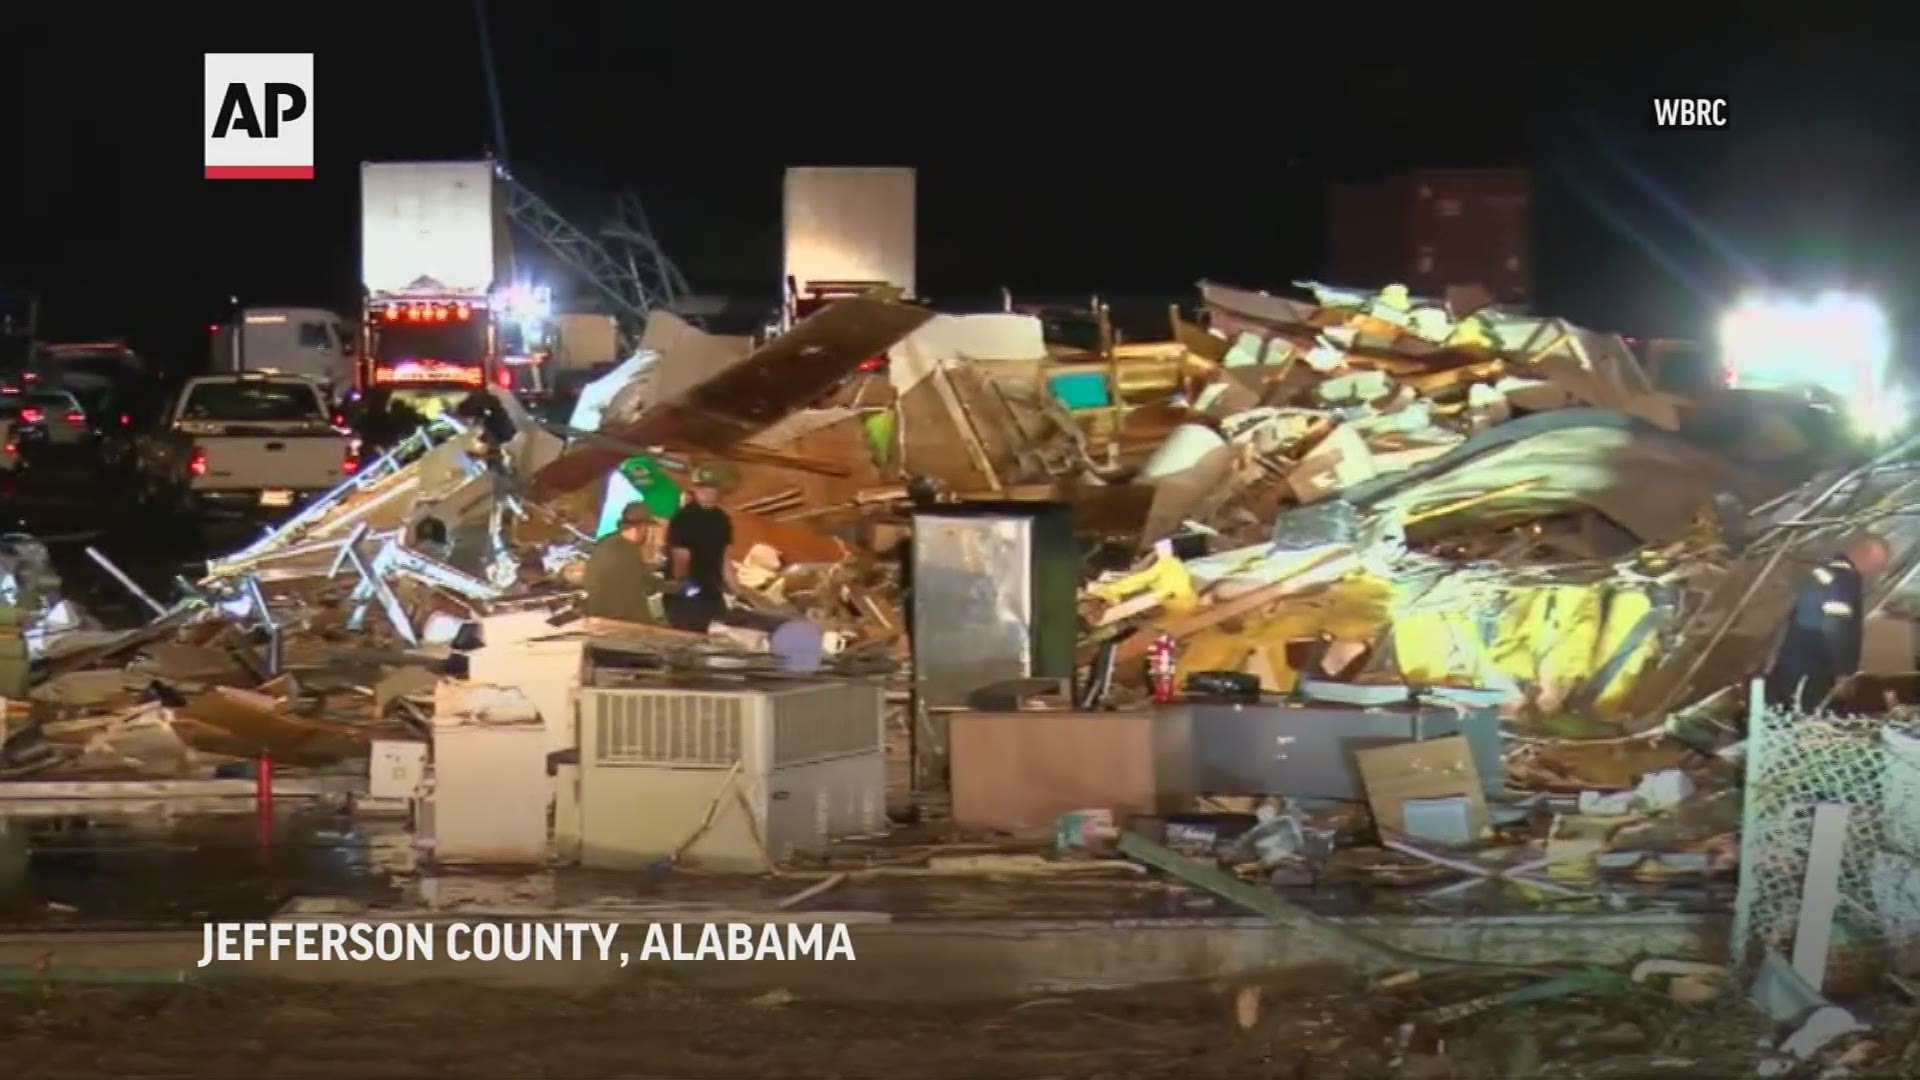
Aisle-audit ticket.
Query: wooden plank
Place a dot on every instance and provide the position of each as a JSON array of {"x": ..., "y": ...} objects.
[{"x": 1820, "y": 896}]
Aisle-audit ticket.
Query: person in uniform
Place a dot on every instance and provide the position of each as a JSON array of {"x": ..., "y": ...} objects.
[
  {"x": 620, "y": 580},
  {"x": 698, "y": 536},
  {"x": 1822, "y": 645}
]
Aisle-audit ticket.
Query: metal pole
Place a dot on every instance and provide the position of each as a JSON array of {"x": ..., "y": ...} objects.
[
  {"x": 263, "y": 799},
  {"x": 239, "y": 334},
  {"x": 128, "y": 583}
]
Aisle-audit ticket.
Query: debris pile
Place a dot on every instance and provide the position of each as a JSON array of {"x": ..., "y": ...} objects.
[{"x": 1497, "y": 599}]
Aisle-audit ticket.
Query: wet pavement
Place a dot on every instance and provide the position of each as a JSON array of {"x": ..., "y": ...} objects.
[
  {"x": 108, "y": 873},
  {"x": 114, "y": 875},
  {"x": 155, "y": 875},
  {"x": 70, "y": 506}
]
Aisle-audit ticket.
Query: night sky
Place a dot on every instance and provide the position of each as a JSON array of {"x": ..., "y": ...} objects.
[{"x": 1055, "y": 158}]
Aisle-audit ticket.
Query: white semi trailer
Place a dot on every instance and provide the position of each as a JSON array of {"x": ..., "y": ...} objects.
[{"x": 847, "y": 230}]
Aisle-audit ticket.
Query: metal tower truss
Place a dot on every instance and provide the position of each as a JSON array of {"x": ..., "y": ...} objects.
[
  {"x": 646, "y": 263},
  {"x": 639, "y": 279}
]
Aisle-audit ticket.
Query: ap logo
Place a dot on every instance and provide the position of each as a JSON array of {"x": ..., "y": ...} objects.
[{"x": 259, "y": 116}]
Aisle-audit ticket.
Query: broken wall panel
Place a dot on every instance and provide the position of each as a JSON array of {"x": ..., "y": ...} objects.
[{"x": 735, "y": 404}]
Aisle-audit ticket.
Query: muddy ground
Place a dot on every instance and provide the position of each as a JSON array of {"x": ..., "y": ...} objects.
[{"x": 658, "y": 1029}]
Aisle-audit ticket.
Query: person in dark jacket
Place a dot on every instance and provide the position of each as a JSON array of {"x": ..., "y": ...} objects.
[
  {"x": 621, "y": 582},
  {"x": 698, "y": 536},
  {"x": 494, "y": 427},
  {"x": 1825, "y": 630}
]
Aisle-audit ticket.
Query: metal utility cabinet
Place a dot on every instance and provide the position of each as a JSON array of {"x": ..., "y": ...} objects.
[
  {"x": 1307, "y": 752},
  {"x": 994, "y": 588},
  {"x": 742, "y": 776}
]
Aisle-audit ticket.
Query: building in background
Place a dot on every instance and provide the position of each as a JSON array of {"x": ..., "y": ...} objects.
[{"x": 1432, "y": 229}]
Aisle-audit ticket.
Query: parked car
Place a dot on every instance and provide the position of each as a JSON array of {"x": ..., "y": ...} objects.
[
  {"x": 55, "y": 414},
  {"x": 23, "y": 430}
]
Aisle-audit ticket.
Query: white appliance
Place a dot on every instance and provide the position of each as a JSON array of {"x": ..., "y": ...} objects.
[
  {"x": 742, "y": 778},
  {"x": 490, "y": 790},
  {"x": 396, "y": 773},
  {"x": 396, "y": 768}
]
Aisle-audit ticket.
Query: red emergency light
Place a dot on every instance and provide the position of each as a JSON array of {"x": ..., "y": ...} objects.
[
  {"x": 427, "y": 312},
  {"x": 414, "y": 372}
]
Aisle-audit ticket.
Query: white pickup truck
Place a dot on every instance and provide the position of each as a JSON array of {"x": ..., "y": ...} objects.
[{"x": 241, "y": 446}]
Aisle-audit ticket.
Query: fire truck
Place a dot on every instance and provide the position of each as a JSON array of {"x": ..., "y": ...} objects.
[
  {"x": 442, "y": 317},
  {"x": 429, "y": 337}
]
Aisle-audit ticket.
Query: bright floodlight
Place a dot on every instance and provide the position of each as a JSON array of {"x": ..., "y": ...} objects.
[
  {"x": 526, "y": 302},
  {"x": 1881, "y": 415},
  {"x": 1837, "y": 342}
]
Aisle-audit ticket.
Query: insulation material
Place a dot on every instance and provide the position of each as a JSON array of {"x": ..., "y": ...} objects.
[
  {"x": 1444, "y": 647},
  {"x": 1213, "y": 650},
  {"x": 1555, "y": 639},
  {"x": 1356, "y": 610},
  {"x": 1546, "y": 637},
  {"x": 1350, "y": 612},
  {"x": 1626, "y": 610}
]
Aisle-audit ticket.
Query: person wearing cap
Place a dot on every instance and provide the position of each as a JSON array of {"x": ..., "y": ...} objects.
[
  {"x": 620, "y": 581},
  {"x": 1827, "y": 627},
  {"x": 698, "y": 536}
]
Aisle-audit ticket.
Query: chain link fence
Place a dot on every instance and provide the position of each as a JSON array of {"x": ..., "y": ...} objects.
[{"x": 1796, "y": 763}]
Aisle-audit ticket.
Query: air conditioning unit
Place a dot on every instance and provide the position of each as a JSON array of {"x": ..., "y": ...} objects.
[{"x": 743, "y": 779}]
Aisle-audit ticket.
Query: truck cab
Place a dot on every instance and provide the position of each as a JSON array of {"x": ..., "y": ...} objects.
[{"x": 306, "y": 342}]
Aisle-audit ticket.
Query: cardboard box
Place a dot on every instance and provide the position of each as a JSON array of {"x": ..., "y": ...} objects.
[{"x": 1430, "y": 769}]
